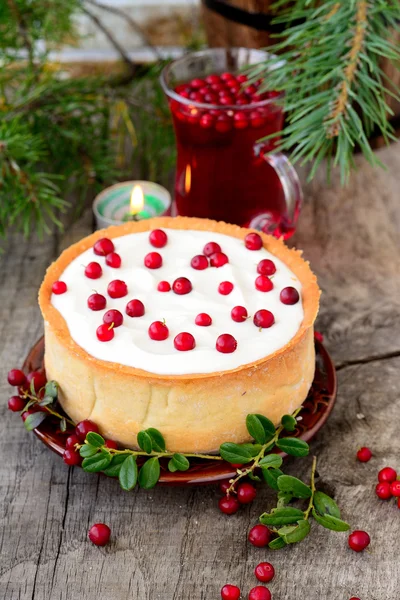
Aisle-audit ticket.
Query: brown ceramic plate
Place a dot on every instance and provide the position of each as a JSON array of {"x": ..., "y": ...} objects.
[{"x": 316, "y": 409}]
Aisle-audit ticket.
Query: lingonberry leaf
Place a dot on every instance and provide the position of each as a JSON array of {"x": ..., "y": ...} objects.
[
  {"x": 144, "y": 441},
  {"x": 287, "y": 483},
  {"x": 34, "y": 419},
  {"x": 46, "y": 401},
  {"x": 254, "y": 449},
  {"x": 235, "y": 453},
  {"x": 180, "y": 461},
  {"x": 295, "y": 534},
  {"x": 253, "y": 477},
  {"x": 256, "y": 429},
  {"x": 95, "y": 439},
  {"x": 267, "y": 425},
  {"x": 277, "y": 544},
  {"x": 114, "y": 467},
  {"x": 88, "y": 450},
  {"x": 157, "y": 439},
  {"x": 330, "y": 522},
  {"x": 293, "y": 446},
  {"x": 289, "y": 422},
  {"x": 284, "y": 498},
  {"x": 271, "y": 477},
  {"x": 282, "y": 516},
  {"x": 51, "y": 389},
  {"x": 63, "y": 425},
  {"x": 273, "y": 461},
  {"x": 325, "y": 505},
  {"x": 172, "y": 466},
  {"x": 149, "y": 474},
  {"x": 128, "y": 473},
  {"x": 97, "y": 462}
]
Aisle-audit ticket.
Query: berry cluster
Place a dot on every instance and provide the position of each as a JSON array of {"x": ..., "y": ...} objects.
[
  {"x": 17, "y": 378},
  {"x": 264, "y": 572},
  {"x": 388, "y": 485}
]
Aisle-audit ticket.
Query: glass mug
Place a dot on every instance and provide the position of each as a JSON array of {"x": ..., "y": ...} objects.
[{"x": 223, "y": 172}]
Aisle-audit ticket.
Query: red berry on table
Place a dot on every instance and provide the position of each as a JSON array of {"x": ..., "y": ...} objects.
[
  {"x": 398, "y": 502},
  {"x": 85, "y": 427},
  {"x": 203, "y": 320},
  {"x": 158, "y": 331},
  {"x": 223, "y": 124},
  {"x": 225, "y": 288},
  {"x": 266, "y": 267},
  {"x": 253, "y": 241},
  {"x": 383, "y": 491},
  {"x": 103, "y": 247},
  {"x": 387, "y": 474},
  {"x": 16, "y": 377},
  {"x": 259, "y": 536},
  {"x": 71, "y": 441},
  {"x": 230, "y": 592},
  {"x": 153, "y": 260},
  {"x": 71, "y": 457},
  {"x": 263, "y": 319},
  {"x": 207, "y": 120},
  {"x": 105, "y": 333},
  {"x": 211, "y": 248},
  {"x": 229, "y": 505},
  {"x": 395, "y": 488},
  {"x": 113, "y": 260},
  {"x": 364, "y": 454},
  {"x": 184, "y": 341},
  {"x": 16, "y": 403},
  {"x": 219, "y": 259},
  {"x": 199, "y": 262},
  {"x": 158, "y": 238},
  {"x": 182, "y": 286},
  {"x": 260, "y": 593},
  {"x": 59, "y": 287},
  {"x": 164, "y": 286},
  {"x": 226, "y": 343},
  {"x": 318, "y": 336},
  {"x": 246, "y": 493},
  {"x": 359, "y": 540},
  {"x": 263, "y": 284},
  {"x": 224, "y": 486},
  {"x": 113, "y": 317},
  {"x": 99, "y": 534},
  {"x": 239, "y": 314},
  {"x": 289, "y": 295},
  {"x": 93, "y": 270},
  {"x": 96, "y": 302},
  {"x": 354, "y": 598},
  {"x": 111, "y": 444},
  {"x": 38, "y": 378},
  {"x": 135, "y": 308},
  {"x": 117, "y": 288},
  {"x": 264, "y": 572}
]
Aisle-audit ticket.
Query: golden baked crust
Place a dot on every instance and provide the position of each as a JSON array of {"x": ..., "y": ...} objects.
[{"x": 195, "y": 412}]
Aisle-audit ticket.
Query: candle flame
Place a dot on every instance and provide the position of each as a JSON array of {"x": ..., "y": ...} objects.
[
  {"x": 137, "y": 200},
  {"x": 188, "y": 179}
]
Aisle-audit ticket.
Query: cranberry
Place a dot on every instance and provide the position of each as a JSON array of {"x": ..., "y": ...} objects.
[
  {"x": 99, "y": 534},
  {"x": 211, "y": 248},
  {"x": 230, "y": 592},
  {"x": 113, "y": 260},
  {"x": 225, "y": 288},
  {"x": 16, "y": 403},
  {"x": 135, "y": 308},
  {"x": 253, "y": 241},
  {"x": 242, "y": 100},
  {"x": 111, "y": 444},
  {"x": 224, "y": 123},
  {"x": 256, "y": 119},
  {"x": 16, "y": 377},
  {"x": 226, "y": 343},
  {"x": 241, "y": 78},
  {"x": 259, "y": 536},
  {"x": 59, "y": 287},
  {"x": 260, "y": 593},
  {"x": 199, "y": 262},
  {"x": 117, "y": 288},
  {"x": 113, "y": 317},
  {"x": 240, "y": 120},
  {"x": 71, "y": 457},
  {"x": 359, "y": 540},
  {"x": 354, "y": 598},
  {"x": 182, "y": 286},
  {"x": 158, "y": 238},
  {"x": 395, "y": 488},
  {"x": 38, "y": 378},
  {"x": 263, "y": 284},
  {"x": 266, "y": 267},
  {"x": 153, "y": 260},
  {"x": 239, "y": 314},
  {"x": 263, "y": 318},
  {"x": 96, "y": 302},
  {"x": 197, "y": 83},
  {"x": 212, "y": 79},
  {"x": 264, "y": 572},
  {"x": 158, "y": 331},
  {"x": 224, "y": 486},
  {"x": 229, "y": 505},
  {"x": 93, "y": 270},
  {"x": 398, "y": 502},
  {"x": 71, "y": 441},
  {"x": 246, "y": 493},
  {"x": 387, "y": 474},
  {"x": 164, "y": 286},
  {"x": 203, "y": 320},
  {"x": 226, "y": 76},
  {"x": 184, "y": 341},
  {"x": 105, "y": 333},
  {"x": 207, "y": 120},
  {"x": 382, "y": 490},
  {"x": 289, "y": 295},
  {"x": 318, "y": 336},
  {"x": 196, "y": 97},
  {"x": 219, "y": 259},
  {"x": 364, "y": 454},
  {"x": 85, "y": 427},
  {"x": 103, "y": 247},
  {"x": 227, "y": 101}
]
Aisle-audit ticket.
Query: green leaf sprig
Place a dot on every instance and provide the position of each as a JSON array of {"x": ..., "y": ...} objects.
[{"x": 46, "y": 399}]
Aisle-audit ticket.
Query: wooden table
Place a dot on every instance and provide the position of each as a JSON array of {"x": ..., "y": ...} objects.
[{"x": 172, "y": 543}]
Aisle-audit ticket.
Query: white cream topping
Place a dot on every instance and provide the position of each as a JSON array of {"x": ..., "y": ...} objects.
[{"x": 132, "y": 345}]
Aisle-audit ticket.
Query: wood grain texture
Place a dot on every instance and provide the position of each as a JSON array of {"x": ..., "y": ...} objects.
[{"x": 172, "y": 543}]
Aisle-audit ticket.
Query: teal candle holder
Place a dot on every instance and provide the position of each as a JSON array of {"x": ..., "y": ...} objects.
[{"x": 112, "y": 205}]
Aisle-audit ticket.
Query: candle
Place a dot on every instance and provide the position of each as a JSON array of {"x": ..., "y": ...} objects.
[{"x": 130, "y": 200}]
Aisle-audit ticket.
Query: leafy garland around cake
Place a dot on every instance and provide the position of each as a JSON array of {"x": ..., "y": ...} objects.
[{"x": 253, "y": 460}]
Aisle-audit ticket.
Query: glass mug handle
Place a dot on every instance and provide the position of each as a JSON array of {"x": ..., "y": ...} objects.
[{"x": 269, "y": 221}]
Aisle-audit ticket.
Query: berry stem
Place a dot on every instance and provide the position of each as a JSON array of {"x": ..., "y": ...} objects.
[
  {"x": 35, "y": 400},
  {"x": 313, "y": 490},
  {"x": 165, "y": 454}
]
